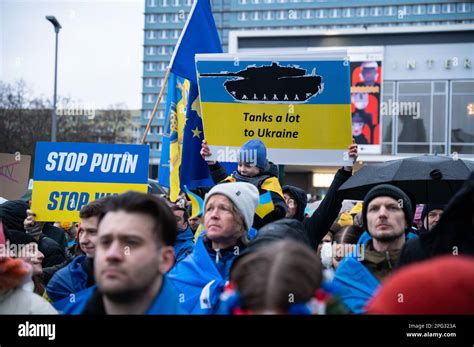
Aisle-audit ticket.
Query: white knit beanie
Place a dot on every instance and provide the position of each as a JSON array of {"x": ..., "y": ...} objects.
[{"x": 244, "y": 196}]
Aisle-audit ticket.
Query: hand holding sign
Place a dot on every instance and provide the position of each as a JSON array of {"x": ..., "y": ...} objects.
[{"x": 206, "y": 152}]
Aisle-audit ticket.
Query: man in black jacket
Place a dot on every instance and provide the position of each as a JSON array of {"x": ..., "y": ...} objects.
[{"x": 317, "y": 226}]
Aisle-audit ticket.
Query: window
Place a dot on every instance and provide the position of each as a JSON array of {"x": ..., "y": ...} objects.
[
  {"x": 242, "y": 16},
  {"x": 307, "y": 14},
  {"x": 462, "y": 124},
  {"x": 162, "y": 66},
  {"x": 151, "y": 18},
  {"x": 147, "y": 114},
  {"x": 149, "y": 82},
  {"x": 268, "y": 15},
  {"x": 175, "y": 18},
  {"x": 159, "y": 146},
  {"x": 361, "y": 12},
  {"x": 189, "y": 2},
  {"x": 151, "y": 50},
  {"x": 161, "y": 115},
  {"x": 163, "y": 34},
  {"x": 149, "y": 67},
  {"x": 348, "y": 12},
  {"x": 334, "y": 13},
  {"x": 175, "y": 34},
  {"x": 151, "y": 3},
  {"x": 281, "y": 15},
  {"x": 448, "y": 8},
  {"x": 389, "y": 11},
  {"x": 164, "y": 18},
  {"x": 160, "y": 130},
  {"x": 464, "y": 7},
  {"x": 434, "y": 9},
  {"x": 151, "y": 34},
  {"x": 255, "y": 15},
  {"x": 176, "y": 3},
  {"x": 162, "y": 50},
  {"x": 243, "y": 2},
  {"x": 149, "y": 98},
  {"x": 419, "y": 9},
  {"x": 164, "y": 2},
  {"x": 376, "y": 11}
]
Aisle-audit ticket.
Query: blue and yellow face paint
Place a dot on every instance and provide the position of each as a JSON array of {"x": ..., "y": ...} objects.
[
  {"x": 68, "y": 176},
  {"x": 299, "y": 107}
]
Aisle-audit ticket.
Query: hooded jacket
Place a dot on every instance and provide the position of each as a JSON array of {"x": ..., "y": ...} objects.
[
  {"x": 184, "y": 244},
  {"x": 89, "y": 302},
  {"x": 453, "y": 231},
  {"x": 299, "y": 195},
  {"x": 201, "y": 276},
  {"x": 71, "y": 279}
]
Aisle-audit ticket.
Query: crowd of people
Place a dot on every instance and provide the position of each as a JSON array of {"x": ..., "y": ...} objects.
[{"x": 139, "y": 253}]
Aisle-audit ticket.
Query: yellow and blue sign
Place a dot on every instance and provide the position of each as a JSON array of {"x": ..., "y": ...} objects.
[
  {"x": 67, "y": 176},
  {"x": 299, "y": 106}
]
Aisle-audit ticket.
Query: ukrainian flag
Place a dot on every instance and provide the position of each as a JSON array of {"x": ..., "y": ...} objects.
[
  {"x": 265, "y": 205},
  {"x": 197, "y": 203},
  {"x": 186, "y": 165}
]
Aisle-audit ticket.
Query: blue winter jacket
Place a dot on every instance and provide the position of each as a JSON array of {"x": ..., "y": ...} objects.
[
  {"x": 184, "y": 244},
  {"x": 201, "y": 277},
  {"x": 166, "y": 302},
  {"x": 69, "y": 280},
  {"x": 353, "y": 282}
]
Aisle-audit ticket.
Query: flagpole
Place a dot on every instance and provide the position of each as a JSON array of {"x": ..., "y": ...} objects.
[{"x": 157, "y": 103}]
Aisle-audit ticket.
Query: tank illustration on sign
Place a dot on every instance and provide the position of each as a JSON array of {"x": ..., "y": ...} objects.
[{"x": 271, "y": 84}]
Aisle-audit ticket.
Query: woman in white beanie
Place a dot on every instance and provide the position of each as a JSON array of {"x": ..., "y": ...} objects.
[{"x": 229, "y": 209}]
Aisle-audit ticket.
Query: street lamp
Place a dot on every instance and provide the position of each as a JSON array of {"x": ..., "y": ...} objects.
[{"x": 54, "y": 125}]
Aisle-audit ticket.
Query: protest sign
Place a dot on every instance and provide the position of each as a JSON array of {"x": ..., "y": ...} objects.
[
  {"x": 70, "y": 175},
  {"x": 14, "y": 174},
  {"x": 298, "y": 105},
  {"x": 366, "y": 91}
]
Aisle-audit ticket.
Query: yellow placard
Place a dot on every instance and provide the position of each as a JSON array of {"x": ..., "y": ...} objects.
[
  {"x": 306, "y": 126},
  {"x": 59, "y": 201}
]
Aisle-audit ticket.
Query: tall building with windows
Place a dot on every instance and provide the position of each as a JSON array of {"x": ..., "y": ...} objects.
[{"x": 427, "y": 47}]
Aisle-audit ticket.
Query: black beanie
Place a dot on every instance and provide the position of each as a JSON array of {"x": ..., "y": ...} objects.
[{"x": 393, "y": 192}]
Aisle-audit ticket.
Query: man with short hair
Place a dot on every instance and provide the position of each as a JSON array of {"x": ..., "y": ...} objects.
[
  {"x": 387, "y": 216},
  {"x": 184, "y": 239},
  {"x": 79, "y": 274},
  {"x": 134, "y": 250}
]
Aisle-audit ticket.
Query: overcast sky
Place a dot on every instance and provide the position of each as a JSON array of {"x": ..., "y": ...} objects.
[{"x": 100, "y": 48}]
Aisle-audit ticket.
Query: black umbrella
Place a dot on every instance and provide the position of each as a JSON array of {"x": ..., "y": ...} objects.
[{"x": 427, "y": 178}]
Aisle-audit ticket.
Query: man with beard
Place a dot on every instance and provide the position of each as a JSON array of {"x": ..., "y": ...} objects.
[
  {"x": 134, "y": 250},
  {"x": 387, "y": 216}
]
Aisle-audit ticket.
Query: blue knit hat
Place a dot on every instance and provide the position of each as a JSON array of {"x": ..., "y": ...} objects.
[{"x": 254, "y": 152}]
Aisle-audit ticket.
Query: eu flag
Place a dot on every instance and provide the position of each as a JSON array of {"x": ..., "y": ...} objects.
[{"x": 198, "y": 36}]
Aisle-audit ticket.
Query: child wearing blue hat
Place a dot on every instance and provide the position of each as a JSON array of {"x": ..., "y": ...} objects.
[{"x": 254, "y": 167}]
